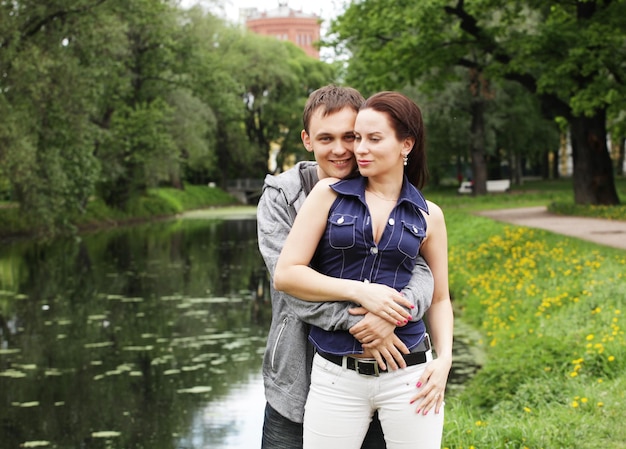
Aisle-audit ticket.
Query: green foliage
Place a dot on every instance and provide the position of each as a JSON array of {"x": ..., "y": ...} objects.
[
  {"x": 110, "y": 98},
  {"x": 568, "y": 54}
]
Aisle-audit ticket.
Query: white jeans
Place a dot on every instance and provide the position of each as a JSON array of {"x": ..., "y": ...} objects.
[{"x": 341, "y": 403}]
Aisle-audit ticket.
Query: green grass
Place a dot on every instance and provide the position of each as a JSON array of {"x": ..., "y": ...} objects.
[{"x": 550, "y": 310}]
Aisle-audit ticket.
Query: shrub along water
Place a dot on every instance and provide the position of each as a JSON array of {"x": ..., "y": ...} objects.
[{"x": 157, "y": 203}]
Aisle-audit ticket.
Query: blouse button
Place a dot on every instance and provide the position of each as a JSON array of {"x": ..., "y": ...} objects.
[
  {"x": 340, "y": 220},
  {"x": 373, "y": 250},
  {"x": 392, "y": 222}
]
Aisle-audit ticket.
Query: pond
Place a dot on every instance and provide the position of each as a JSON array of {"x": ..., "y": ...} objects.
[{"x": 148, "y": 336}]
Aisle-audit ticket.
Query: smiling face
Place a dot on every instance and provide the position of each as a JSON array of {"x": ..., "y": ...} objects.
[
  {"x": 331, "y": 138},
  {"x": 378, "y": 150}
]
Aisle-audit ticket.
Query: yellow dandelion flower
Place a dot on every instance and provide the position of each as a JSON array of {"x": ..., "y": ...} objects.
[
  {"x": 600, "y": 404},
  {"x": 575, "y": 404},
  {"x": 527, "y": 409},
  {"x": 611, "y": 358},
  {"x": 573, "y": 374},
  {"x": 584, "y": 400},
  {"x": 589, "y": 337}
]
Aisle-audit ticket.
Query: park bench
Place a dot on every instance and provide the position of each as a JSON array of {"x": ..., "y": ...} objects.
[{"x": 493, "y": 185}]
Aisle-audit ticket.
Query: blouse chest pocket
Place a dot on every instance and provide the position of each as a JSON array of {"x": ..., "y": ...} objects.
[
  {"x": 411, "y": 239},
  {"x": 342, "y": 231}
]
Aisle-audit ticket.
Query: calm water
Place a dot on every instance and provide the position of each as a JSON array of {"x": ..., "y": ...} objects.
[{"x": 143, "y": 337}]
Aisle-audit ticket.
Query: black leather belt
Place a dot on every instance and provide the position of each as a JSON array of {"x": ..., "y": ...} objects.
[{"x": 369, "y": 367}]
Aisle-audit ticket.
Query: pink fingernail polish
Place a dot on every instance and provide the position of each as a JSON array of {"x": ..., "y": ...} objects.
[{"x": 419, "y": 384}]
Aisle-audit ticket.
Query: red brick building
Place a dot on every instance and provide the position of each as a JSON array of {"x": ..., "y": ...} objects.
[{"x": 286, "y": 24}]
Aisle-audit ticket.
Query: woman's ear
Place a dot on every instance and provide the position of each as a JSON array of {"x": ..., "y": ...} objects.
[{"x": 407, "y": 145}]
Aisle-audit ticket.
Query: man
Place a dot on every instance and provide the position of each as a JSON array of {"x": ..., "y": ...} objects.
[{"x": 328, "y": 120}]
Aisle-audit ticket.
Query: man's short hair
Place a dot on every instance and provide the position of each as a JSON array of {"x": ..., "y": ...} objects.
[{"x": 333, "y": 99}]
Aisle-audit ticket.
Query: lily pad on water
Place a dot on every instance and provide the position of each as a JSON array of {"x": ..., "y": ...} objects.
[
  {"x": 12, "y": 373},
  {"x": 194, "y": 367},
  {"x": 138, "y": 348},
  {"x": 35, "y": 444},
  {"x": 26, "y": 404},
  {"x": 105, "y": 434},
  {"x": 196, "y": 390},
  {"x": 9, "y": 351},
  {"x": 172, "y": 298},
  {"x": 102, "y": 344}
]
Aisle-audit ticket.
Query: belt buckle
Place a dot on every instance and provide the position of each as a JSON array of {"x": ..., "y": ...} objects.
[{"x": 366, "y": 367}]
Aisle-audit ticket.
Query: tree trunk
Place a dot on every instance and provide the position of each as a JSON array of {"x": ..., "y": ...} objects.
[
  {"x": 621, "y": 147},
  {"x": 477, "y": 150},
  {"x": 593, "y": 170},
  {"x": 545, "y": 164},
  {"x": 555, "y": 164},
  {"x": 518, "y": 175}
]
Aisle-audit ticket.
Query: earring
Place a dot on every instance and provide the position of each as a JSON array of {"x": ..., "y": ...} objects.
[{"x": 405, "y": 159}]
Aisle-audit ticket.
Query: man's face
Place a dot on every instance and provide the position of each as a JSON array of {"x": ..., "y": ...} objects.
[{"x": 331, "y": 138}]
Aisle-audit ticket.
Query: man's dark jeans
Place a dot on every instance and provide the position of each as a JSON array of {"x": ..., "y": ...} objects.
[{"x": 280, "y": 433}]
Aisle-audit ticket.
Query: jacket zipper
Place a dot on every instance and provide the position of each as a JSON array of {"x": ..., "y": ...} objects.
[{"x": 280, "y": 334}]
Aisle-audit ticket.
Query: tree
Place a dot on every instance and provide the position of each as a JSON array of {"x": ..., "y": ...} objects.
[
  {"x": 47, "y": 95},
  {"x": 569, "y": 54},
  {"x": 256, "y": 87}
]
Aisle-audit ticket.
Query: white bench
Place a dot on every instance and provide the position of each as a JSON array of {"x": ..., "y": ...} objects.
[{"x": 493, "y": 185}]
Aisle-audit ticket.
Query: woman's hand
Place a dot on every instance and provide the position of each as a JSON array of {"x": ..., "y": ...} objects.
[
  {"x": 432, "y": 386},
  {"x": 385, "y": 302}
]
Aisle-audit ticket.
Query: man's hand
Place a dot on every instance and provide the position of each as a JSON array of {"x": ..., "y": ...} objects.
[
  {"x": 378, "y": 339},
  {"x": 372, "y": 329},
  {"x": 389, "y": 352}
]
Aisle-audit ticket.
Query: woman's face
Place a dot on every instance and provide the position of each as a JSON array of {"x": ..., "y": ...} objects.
[{"x": 377, "y": 149}]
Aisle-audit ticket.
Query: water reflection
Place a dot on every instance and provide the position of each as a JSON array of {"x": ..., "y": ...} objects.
[
  {"x": 144, "y": 337},
  {"x": 130, "y": 338}
]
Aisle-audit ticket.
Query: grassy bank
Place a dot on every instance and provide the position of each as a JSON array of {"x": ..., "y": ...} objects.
[
  {"x": 550, "y": 310},
  {"x": 158, "y": 203}
]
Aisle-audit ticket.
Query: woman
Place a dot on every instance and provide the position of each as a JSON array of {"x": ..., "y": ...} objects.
[{"x": 357, "y": 240}]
